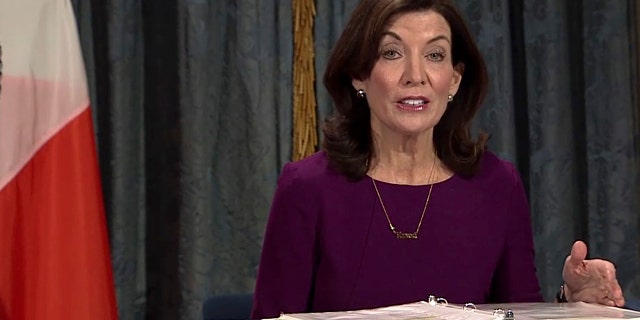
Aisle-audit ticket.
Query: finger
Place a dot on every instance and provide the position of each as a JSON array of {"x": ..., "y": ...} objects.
[
  {"x": 607, "y": 272},
  {"x": 615, "y": 292},
  {"x": 604, "y": 270},
  {"x": 578, "y": 253},
  {"x": 619, "y": 302},
  {"x": 611, "y": 291},
  {"x": 607, "y": 302},
  {"x": 607, "y": 299}
]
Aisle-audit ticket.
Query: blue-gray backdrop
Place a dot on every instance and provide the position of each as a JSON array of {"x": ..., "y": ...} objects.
[{"x": 193, "y": 108}]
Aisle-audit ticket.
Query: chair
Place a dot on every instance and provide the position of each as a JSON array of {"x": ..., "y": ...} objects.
[
  {"x": 228, "y": 307},
  {"x": 632, "y": 304}
]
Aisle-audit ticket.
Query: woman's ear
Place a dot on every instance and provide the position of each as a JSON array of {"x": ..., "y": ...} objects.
[
  {"x": 458, "y": 70},
  {"x": 357, "y": 84}
]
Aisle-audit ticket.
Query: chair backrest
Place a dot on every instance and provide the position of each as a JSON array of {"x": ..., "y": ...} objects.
[
  {"x": 632, "y": 303},
  {"x": 228, "y": 307}
]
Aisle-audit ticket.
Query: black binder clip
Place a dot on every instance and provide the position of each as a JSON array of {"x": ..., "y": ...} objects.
[{"x": 509, "y": 315}]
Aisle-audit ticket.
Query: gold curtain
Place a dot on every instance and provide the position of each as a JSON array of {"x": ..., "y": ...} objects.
[{"x": 305, "y": 137}]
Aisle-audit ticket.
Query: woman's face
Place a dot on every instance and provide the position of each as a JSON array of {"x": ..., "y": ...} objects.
[{"x": 409, "y": 84}]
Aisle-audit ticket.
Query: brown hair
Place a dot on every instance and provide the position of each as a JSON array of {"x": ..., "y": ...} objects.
[{"x": 347, "y": 133}]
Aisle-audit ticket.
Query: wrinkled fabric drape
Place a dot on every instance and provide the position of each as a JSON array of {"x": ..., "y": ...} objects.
[
  {"x": 583, "y": 134},
  {"x": 193, "y": 109},
  {"x": 570, "y": 123},
  {"x": 193, "y": 102},
  {"x": 112, "y": 39},
  {"x": 236, "y": 101}
]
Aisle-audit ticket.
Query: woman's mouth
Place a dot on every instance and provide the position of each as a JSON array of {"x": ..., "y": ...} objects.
[{"x": 412, "y": 104}]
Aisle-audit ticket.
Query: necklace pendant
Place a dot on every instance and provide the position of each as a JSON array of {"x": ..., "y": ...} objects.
[{"x": 405, "y": 235}]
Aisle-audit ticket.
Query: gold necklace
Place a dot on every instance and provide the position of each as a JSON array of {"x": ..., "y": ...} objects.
[{"x": 400, "y": 234}]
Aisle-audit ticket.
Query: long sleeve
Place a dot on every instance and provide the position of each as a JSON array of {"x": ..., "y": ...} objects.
[
  {"x": 515, "y": 278},
  {"x": 285, "y": 274}
]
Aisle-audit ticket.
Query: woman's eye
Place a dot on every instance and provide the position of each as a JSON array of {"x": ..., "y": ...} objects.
[
  {"x": 436, "y": 56},
  {"x": 390, "y": 54}
]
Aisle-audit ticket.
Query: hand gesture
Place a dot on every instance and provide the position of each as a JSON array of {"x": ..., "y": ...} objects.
[{"x": 590, "y": 280}]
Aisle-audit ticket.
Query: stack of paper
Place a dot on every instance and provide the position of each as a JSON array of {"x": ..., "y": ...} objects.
[
  {"x": 522, "y": 311},
  {"x": 412, "y": 311},
  {"x": 573, "y": 310}
]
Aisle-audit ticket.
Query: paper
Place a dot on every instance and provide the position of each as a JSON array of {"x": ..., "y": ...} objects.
[
  {"x": 522, "y": 311},
  {"x": 412, "y": 311},
  {"x": 573, "y": 310}
]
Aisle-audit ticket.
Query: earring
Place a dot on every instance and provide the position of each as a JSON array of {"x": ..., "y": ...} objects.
[
  {"x": 450, "y": 98},
  {"x": 360, "y": 93}
]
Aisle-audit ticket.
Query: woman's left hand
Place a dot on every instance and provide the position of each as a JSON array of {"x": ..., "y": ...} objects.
[{"x": 590, "y": 280}]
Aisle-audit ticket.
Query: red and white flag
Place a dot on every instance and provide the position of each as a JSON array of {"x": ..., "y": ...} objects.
[{"x": 54, "y": 249}]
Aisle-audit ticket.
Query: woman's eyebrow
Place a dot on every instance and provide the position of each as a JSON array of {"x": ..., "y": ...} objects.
[{"x": 434, "y": 39}]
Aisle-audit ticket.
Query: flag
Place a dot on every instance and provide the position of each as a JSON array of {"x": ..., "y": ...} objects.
[{"x": 54, "y": 250}]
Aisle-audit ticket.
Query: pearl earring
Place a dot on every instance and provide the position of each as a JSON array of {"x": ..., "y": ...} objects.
[
  {"x": 360, "y": 93},
  {"x": 450, "y": 98}
]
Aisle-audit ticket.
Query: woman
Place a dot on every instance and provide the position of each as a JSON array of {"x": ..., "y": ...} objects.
[{"x": 403, "y": 202}]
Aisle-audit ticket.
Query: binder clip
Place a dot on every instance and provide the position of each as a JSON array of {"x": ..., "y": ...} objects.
[
  {"x": 509, "y": 315},
  {"x": 469, "y": 307},
  {"x": 432, "y": 300},
  {"x": 501, "y": 314}
]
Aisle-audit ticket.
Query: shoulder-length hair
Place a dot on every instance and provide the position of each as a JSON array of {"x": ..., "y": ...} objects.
[{"x": 348, "y": 140}]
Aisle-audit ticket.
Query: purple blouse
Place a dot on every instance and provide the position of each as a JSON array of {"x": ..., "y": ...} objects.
[{"x": 328, "y": 245}]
